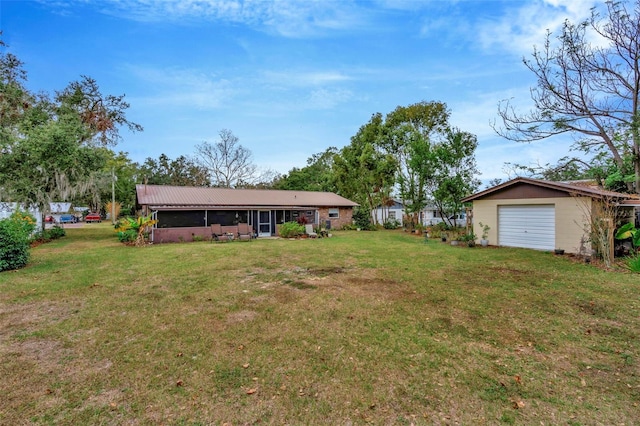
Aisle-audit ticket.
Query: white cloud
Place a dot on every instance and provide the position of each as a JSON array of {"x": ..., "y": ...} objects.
[
  {"x": 295, "y": 19},
  {"x": 326, "y": 99},
  {"x": 304, "y": 79},
  {"x": 184, "y": 87},
  {"x": 521, "y": 28}
]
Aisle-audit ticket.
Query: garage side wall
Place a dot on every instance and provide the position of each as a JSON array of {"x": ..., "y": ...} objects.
[{"x": 571, "y": 218}]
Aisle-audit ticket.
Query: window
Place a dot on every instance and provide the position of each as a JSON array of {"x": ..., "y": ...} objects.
[
  {"x": 334, "y": 213},
  {"x": 392, "y": 215}
]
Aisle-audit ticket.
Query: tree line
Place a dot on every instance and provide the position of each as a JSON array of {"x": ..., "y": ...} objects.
[{"x": 59, "y": 147}]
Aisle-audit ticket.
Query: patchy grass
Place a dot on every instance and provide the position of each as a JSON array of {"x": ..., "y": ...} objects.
[{"x": 366, "y": 327}]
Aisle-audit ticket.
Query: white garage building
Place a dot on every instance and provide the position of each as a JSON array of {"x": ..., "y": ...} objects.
[{"x": 542, "y": 215}]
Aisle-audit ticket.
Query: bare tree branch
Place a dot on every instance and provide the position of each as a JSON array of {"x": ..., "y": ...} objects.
[
  {"x": 229, "y": 163},
  {"x": 589, "y": 91}
]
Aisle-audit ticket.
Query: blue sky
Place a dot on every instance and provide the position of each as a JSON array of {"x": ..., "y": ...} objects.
[{"x": 291, "y": 78}]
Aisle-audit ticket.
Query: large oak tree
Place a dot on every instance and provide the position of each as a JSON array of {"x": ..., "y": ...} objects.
[{"x": 52, "y": 148}]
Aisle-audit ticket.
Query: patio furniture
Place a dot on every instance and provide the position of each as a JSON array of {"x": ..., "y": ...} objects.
[
  {"x": 245, "y": 232},
  {"x": 217, "y": 234},
  {"x": 309, "y": 231}
]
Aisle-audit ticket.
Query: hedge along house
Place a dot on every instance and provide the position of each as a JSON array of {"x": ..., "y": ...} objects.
[
  {"x": 183, "y": 212},
  {"x": 544, "y": 215}
]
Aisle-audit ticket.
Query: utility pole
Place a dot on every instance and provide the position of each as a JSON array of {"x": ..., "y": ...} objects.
[{"x": 113, "y": 196}]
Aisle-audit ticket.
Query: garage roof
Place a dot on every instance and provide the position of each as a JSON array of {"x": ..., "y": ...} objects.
[{"x": 581, "y": 188}]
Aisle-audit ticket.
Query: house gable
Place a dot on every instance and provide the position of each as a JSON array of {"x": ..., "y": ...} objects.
[{"x": 525, "y": 190}]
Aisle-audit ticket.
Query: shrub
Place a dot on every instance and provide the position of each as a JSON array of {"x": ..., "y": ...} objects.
[
  {"x": 391, "y": 224},
  {"x": 634, "y": 264},
  {"x": 362, "y": 218},
  {"x": 25, "y": 221},
  {"x": 115, "y": 207},
  {"x": 291, "y": 230},
  {"x": 15, "y": 234},
  {"x": 137, "y": 225},
  {"x": 128, "y": 236},
  {"x": 441, "y": 226},
  {"x": 55, "y": 233},
  {"x": 470, "y": 237}
]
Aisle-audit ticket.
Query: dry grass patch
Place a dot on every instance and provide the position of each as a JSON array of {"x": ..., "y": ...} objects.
[{"x": 341, "y": 330}]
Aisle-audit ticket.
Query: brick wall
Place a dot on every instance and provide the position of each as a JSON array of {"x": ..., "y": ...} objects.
[
  {"x": 345, "y": 217},
  {"x": 176, "y": 235}
]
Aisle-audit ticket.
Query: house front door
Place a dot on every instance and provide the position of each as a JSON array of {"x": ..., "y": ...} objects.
[{"x": 264, "y": 223}]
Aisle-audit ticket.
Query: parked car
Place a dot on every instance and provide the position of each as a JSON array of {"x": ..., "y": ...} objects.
[
  {"x": 50, "y": 219},
  {"x": 68, "y": 218},
  {"x": 93, "y": 217}
]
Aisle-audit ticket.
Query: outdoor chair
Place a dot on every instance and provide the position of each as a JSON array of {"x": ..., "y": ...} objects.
[
  {"x": 217, "y": 234},
  {"x": 245, "y": 233},
  {"x": 309, "y": 231}
]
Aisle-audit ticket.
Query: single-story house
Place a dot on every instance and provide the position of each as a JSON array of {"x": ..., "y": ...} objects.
[
  {"x": 430, "y": 215},
  {"x": 184, "y": 211},
  {"x": 543, "y": 215},
  {"x": 387, "y": 212}
]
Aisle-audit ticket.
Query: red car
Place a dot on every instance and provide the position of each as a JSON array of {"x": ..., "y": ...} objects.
[{"x": 93, "y": 217}]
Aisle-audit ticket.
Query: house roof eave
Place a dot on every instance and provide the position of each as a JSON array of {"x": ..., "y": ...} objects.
[{"x": 573, "y": 189}]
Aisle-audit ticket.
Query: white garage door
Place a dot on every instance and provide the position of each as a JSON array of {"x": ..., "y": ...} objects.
[{"x": 529, "y": 226}]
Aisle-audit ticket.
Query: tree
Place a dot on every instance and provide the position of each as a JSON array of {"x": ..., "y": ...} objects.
[
  {"x": 317, "y": 175},
  {"x": 229, "y": 163},
  {"x": 411, "y": 129},
  {"x": 566, "y": 169},
  {"x": 182, "y": 171},
  {"x": 47, "y": 164},
  {"x": 362, "y": 172},
  {"x": 589, "y": 91},
  {"x": 120, "y": 174},
  {"x": 100, "y": 116},
  {"x": 448, "y": 169},
  {"x": 50, "y": 149}
]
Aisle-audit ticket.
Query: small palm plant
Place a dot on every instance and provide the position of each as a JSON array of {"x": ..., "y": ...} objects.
[
  {"x": 135, "y": 226},
  {"x": 628, "y": 230}
]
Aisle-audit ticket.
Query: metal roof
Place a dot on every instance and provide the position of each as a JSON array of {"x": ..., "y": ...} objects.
[
  {"x": 578, "y": 188},
  {"x": 164, "y": 196}
]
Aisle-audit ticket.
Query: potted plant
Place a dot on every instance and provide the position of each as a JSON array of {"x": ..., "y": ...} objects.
[
  {"x": 427, "y": 232},
  {"x": 455, "y": 238},
  {"x": 469, "y": 238},
  {"x": 485, "y": 234}
]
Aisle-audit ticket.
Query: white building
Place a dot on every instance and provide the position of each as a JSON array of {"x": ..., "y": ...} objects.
[
  {"x": 7, "y": 209},
  {"x": 430, "y": 215}
]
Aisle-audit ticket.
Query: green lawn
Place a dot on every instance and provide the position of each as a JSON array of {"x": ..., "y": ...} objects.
[{"x": 366, "y": 327}]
